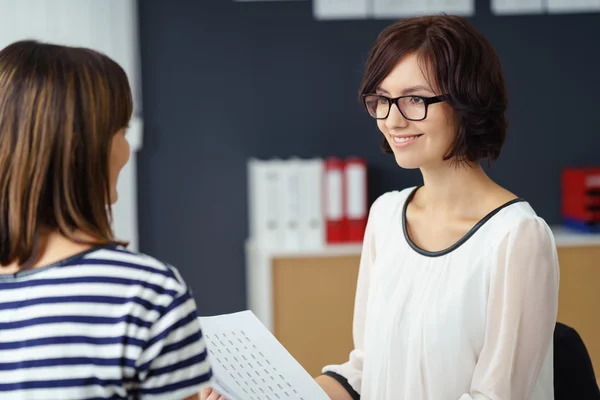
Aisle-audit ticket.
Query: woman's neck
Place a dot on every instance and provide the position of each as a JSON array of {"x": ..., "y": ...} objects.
[
  {"x": 52, "y": 247},
  {"x": 456, "y": 189}
]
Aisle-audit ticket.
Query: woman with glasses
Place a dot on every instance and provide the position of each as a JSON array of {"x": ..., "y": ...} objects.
[
  {"x": 458, "y": 283},
  {"x": 81, "y": 317}
]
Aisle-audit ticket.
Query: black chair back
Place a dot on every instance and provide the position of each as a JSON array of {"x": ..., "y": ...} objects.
[{"x": 574, "y": 377}]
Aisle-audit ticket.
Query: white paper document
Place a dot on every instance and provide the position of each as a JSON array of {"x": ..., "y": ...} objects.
[
  {"x": 409, "y": 8},
  {"x": 250, "y": 364},
  {"x": 465, "y": 8},
  {"x": 263, "y": 0},
  {"x": 514, "y": 7},
  {"x": 399, "y": 8},
  {"x": 341, "y": 9},
  {"x": 573, "y": 6}
]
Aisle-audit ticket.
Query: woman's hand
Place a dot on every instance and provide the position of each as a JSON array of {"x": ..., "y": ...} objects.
[{"x": 210, "y": 394}]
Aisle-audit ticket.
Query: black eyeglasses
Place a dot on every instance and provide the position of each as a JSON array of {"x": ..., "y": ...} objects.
[{"x": 412, "y": 108}]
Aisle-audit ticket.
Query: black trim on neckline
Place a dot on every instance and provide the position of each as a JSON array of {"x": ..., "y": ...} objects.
[
  {"x": 460, "y": 241},
  {"x": 60, "y": 263}
]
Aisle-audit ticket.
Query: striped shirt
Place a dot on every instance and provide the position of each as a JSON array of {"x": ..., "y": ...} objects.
[{"x": 104, "y": 324}]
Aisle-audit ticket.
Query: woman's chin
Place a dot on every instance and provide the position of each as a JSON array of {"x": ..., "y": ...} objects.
[{"x": 407, "y": 162}]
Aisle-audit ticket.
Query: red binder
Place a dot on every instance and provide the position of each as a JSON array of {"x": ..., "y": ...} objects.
[
  {"x": 581, "y": 198},
  {"x": 581, "y": 194},
  {"x": 334, "y": 200},
  {"x": 356, "y": 212}
]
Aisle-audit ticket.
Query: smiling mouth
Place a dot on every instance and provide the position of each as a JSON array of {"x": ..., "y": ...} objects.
[{"x": 405, "y": 139}]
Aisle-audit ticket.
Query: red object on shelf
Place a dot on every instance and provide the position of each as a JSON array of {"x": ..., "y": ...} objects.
[
  {"x": 334, "y": 206},
  {"x": 355, "y": 177},
  {"x": 581, "y": 194}
]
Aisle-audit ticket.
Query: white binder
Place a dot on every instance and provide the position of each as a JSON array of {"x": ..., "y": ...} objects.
[
  {"x": 263, "y": 202},
  {"x": 291, "y": 205},
  {"x": 252, "y": 171},
  {"x": 313, "y": 220}
]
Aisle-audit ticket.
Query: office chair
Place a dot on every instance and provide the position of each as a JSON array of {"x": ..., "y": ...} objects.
[{"x": 574, "y": 377}]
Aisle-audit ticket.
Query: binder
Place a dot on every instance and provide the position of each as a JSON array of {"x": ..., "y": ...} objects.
[
  {"x": 355, "y": 176},
  {"x": 334, "y": 200},
  {"x": 300, "y": 204},
  {"x": 252, "y": 172},
  {"x": 272, "y": 204},
  {"x": 312, "y": 219},
  {"x": 263, "y": 202},
  {"x": 581, "y": 195},
  {"x": 291, "y": 206}
]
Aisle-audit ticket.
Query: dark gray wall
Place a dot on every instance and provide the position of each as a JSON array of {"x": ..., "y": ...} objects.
[{"x": 224, "y": 81}]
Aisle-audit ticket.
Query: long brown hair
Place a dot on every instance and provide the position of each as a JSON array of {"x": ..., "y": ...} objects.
[{"x": 59, "y": 109}]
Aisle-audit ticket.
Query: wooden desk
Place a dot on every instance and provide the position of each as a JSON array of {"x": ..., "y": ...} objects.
[
  {"x": 307, "y": 298},
  {"x": 313, "y": 308}
]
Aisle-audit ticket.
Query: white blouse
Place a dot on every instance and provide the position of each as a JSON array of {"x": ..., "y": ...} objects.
[{"x": 473, "y": 322}]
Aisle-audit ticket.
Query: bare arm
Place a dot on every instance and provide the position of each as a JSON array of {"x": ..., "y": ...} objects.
[
  {"x": 334, "y": 390},
  {"x": 208, "y": 394}
]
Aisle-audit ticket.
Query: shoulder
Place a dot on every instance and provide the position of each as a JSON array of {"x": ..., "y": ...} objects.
[
  {"x": 139, "y": 269},
  {"x": 518, "y": 230},
  {"x": 520, "y": 222},
  {"x": 522, "y": 252},
  {"x": 391, "y": 202},
  {"x": 386, "y": 210}
]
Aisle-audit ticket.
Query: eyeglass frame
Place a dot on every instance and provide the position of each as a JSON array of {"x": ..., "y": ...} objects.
[{"x": 391, "y": 101}]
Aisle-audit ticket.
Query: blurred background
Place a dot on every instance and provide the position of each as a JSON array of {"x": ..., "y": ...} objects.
[
  {"x": 218, "y": 82},
  {"x": 224, "y": 81}
]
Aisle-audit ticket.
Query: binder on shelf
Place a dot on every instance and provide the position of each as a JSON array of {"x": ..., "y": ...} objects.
[
  {"x": 291, "y": 206},
  {"x": 265, "y": 219},
  {"x": 252, "y": 172},
  {"x": 334, "y": 200},
  {"x": 581, "y": 198},
  {"x": 306, "y": 204},
  {"x": 312, "y": 221},
  {"x": 355, "y": 176},
  {"x": 272, "y": 204}
]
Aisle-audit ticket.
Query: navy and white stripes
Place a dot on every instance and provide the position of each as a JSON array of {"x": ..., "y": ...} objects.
[{"x": 105, "y": 324}]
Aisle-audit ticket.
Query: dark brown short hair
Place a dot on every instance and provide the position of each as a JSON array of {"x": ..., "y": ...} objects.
[
  {"x": 465, "y": 66},
  {"x": 59, "y": 110}
]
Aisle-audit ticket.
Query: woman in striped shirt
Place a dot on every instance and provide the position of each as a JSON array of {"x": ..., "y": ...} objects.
[{"x": 81, "y": 317}]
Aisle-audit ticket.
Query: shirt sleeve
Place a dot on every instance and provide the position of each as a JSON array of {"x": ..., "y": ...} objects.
[
  {"x": 174, "y": 363},
  {"x": 351, "y": 371},
  {"x": 521, "y": 314}
]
